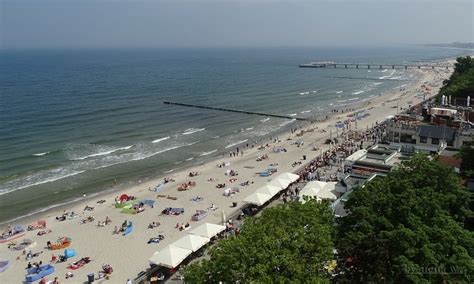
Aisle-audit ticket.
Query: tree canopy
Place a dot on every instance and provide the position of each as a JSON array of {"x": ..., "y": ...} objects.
[
  {"x": 461, "y": 82},
  {"x": 407, "y": 227},
  {"x": 290, "y": 242}
]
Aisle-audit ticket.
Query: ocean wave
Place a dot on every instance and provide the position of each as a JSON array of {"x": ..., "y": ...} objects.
[
  {"x": 30, "y": 180},
  {"x": 287, "y": 122},
  {"x": 265, "y": 119},
  {"x": 160, "y": 139},
  {"x": 353, "y": 99},
  {"x": 249, "y": 128},
  {"x": 291, "y": 114},
  {"x": 208, "y": 153},
  {"x": 215, "y": 137},
  {"x": 358, "y": 92},
  {"x": 192, "y": 130},
  {"x": 169, "y": 171},
  {"x": 338, "y": 92},
  {"x": 104, "y": 153},
  {"x": 305, "y": 111},
  {"x": 385, "y": 70},
  {"x": 41, "y": 154},
  {"x": 190, "y": 159},
  {"x": 303, "y": 93},
  {"x": 378, "y": 83},
  {"x": 236, "y": 143}
]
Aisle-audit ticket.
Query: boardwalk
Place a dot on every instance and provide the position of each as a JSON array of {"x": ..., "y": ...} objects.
[{"x": 373, "y": 65}]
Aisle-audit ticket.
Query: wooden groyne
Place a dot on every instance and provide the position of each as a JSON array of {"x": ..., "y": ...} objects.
[{"x": 239, "y": 111}]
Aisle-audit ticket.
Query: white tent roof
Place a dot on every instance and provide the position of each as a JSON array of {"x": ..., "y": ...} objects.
[
  {"x": 208, "y": 230},
  {"x": 289, "y": 176},
  {"x": 320, "y": 190},
  {"x": 284, "y": 180},
  {"x": 271, "y": 190},
  {"x": 281, "y": 183},
  {"x": 191, "y": 242},
  {"x": 170, "y": 256},
  {"x": 257, "y": 198}
]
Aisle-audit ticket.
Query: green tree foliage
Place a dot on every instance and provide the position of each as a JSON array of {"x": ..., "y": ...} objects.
[
  {"x": 407, "y": 227},
  {"x": 290, "y": 242},
  {"x": 461, "y": 82},
  {"x": 466, "y": 153}
]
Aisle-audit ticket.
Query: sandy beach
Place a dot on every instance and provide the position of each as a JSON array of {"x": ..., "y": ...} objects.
[{"x": 128, "y": 255}]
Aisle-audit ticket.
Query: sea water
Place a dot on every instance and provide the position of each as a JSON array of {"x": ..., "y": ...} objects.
[{"x": 73, "y": 121}]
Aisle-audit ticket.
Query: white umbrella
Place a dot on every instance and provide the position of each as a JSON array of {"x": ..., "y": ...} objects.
[
  {"x": 257, "y": 198},
  {"x": 170, "y": 256},
  {"x": 312, "y": 188},
  {"x": 208, "y": 230},
  {"x": 191, "y": 242},
  {"x": 271, "y": 190}
]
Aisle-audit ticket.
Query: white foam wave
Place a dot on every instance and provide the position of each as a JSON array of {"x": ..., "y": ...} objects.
[
  {"x": 190, "y": 159},
  {"x": 265, "y": 119},
  {"x": 167, "y": 172},
  {"x": 303, "y": 93},
  {"x": 338, "y": 92},
  {"x": 287, "y": 122},
  {"x": 208, "y": 153},
  {"x": 28, "y": 181},
  {"x": 385, "y": 70},
  {"x": 41, "y": 154},
  {"x": 353, "y": 99},
  {"x": 292, "y": 114},
  {"x": 160, "y": 139},
  {"x": 378, "y": 83},
  {"x": 358, "y": 92},
  {"x": 215, "y": 137},
  {"x": 305, "y": 111},
  {"x": 249, "y": 128},
  {"x": 104, "y": 153},
  {"x": 192, "y": 130},
  {"x": 236, "y": 143}
]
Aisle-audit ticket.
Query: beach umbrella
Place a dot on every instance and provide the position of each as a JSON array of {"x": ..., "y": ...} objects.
[
  {"x": 191, "y": 242},
  {"x": 269, "y": 189},
  {"x": 257, "y": 198},
  {"x": 208, "y": 230},
  {"x": 170, "y": 256}
]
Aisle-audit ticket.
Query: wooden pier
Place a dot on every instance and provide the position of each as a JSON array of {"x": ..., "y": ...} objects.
[
  {"x": 239, "y": 111},
  {"x": 373, "y": 66}
]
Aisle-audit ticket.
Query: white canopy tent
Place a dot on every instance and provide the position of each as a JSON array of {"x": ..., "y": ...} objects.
[
  {"x": 268, "y": 189},
  {"x": 284, "y": 180},
  {"x": 191, "y": 242},
  {"x": 170, "y": 256},
  {"x": 320, "y": 190},
  {"x": 208, "y": 230},
  {"x": 257, "y": 198},
  {"x": 289, "y": 176}
]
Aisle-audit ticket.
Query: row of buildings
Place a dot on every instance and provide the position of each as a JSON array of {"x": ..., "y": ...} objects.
[{"x": 431, "y": 130}]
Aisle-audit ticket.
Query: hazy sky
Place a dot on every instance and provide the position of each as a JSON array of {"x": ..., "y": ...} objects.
[{"x": 202, "y": 23}]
